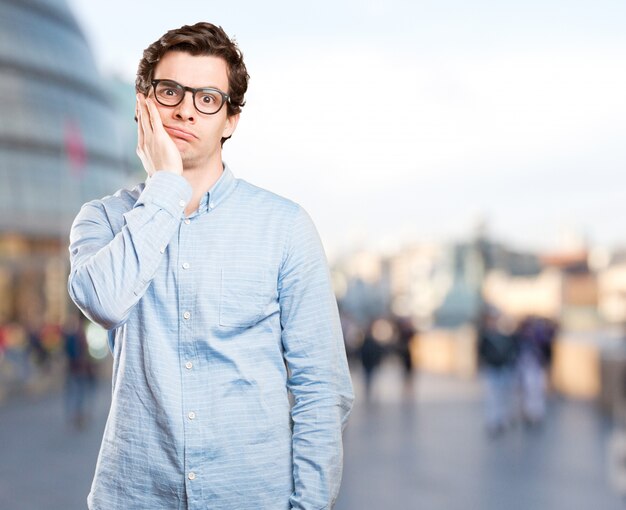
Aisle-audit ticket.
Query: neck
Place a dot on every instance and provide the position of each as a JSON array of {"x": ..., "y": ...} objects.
[{"x": 201, "y": 180}]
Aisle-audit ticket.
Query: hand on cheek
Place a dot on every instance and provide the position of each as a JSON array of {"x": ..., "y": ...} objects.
[{"x": 155, "y": 148}]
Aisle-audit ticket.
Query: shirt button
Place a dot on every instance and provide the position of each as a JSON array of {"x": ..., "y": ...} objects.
[
  {"x": 185, "y": 265},
  {"x": 212, "y": 205},
  {"x": 192, "y": 415},
  {"x": 189, "y": 365},
  {"x": 181, "y": 203},
  {"x": 187, "y": 221},
  {"x": 186, "y": 315},
  {"x": 162, "y": 249},
  {"x": 191, "y": 476}
]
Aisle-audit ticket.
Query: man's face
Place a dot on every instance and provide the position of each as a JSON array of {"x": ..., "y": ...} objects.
[{"x": 197, "y": 135}]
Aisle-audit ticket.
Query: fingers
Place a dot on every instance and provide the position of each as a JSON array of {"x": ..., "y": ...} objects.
[
  {"x": 148, "y": 115},
  {"x": 155, "y": 118},
  {"x": 142, "y": 150},
  {"x": 155, "y": 148},
  {"x": 144, "y": 115},
  {"x": 140, "y": 133}
]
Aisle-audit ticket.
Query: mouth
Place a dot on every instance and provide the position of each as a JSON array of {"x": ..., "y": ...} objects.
[{"x": 180, "y": 133}]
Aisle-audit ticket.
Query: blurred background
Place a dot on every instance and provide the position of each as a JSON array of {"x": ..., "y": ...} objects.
[{"x": 465, "y": 165}]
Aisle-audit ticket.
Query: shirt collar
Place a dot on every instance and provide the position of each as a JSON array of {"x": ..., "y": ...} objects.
[{"x": 220, "y": 190}]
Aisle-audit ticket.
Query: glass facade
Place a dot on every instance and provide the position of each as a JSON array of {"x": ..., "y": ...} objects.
[{"x": 60, "y": 146}]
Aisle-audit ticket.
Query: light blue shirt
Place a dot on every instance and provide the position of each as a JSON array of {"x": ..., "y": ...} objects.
[{"x": 230, "y": 382}]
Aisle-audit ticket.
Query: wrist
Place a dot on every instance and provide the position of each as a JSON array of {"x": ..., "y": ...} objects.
[{"x": 171, "y": 170}]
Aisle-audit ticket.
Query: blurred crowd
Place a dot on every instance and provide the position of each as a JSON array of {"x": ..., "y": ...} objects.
[
  {"x": 28, "y": 349},
  {"x": 379, "y": 339},
  {"x": 513, "y": 357},
  {"x": 515, "y": 361},
  {"x": 38, "y": 357}
]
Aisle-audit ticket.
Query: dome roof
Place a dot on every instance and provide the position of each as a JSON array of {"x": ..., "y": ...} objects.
[{"x": 59, "y": 142}]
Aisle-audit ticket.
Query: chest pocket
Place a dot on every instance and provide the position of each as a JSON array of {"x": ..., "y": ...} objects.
[{"x": 246, "y": 297}]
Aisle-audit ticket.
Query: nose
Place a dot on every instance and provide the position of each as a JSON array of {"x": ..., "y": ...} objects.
[{"x": 185, "y": 110}]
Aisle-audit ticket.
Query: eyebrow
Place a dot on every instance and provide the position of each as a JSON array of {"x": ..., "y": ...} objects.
[{"x": 214, "y": 87}]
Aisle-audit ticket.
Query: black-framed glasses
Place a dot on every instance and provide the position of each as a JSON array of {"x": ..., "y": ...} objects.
[{"x": 206, "y": 100}]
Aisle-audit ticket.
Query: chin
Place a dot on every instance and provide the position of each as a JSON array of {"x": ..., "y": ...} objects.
[
  {"x": 186, "y": 155},
  {"x": 181, "y": 145},
  {"x": 189, "y": 163}
]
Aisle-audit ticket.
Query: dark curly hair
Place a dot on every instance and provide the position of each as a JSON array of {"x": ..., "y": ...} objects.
[{"x": 199, "y": 39}]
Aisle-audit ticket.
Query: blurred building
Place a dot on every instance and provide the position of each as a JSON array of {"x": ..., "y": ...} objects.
[
  {"x": 435, "y": 285},
  {"x": 612, "y": 288},
  {"x": 361, "y": 283},
  {"x": 60, "y": 145}
]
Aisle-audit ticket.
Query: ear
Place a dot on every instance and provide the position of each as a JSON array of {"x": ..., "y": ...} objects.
[{"x": 231, "y": 125}]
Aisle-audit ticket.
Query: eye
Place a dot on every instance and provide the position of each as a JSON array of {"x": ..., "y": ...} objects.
[
  {"x": 168, "y": 90},
  {"x": 208, "y": 98}
]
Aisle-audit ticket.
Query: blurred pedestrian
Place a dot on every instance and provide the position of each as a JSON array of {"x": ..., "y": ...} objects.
[
  {"x": 352, "y": 335},
  {"x": 17, "y": 352},
  {"x": 406, "y": 337},
  {"x": 80, "y": 372},
  {"x": 371, "y": 353},
  {"x": 497, "y": 352},
  {"x": 38, "y": 352},
  {"x": 535, "y": 337},
  {"x": 3, "y": 340}
]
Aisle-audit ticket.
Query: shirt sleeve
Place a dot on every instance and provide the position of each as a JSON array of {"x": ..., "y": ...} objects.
[
  {"x": 110, "y": 271},
  {"x": 319, "y": 378}
]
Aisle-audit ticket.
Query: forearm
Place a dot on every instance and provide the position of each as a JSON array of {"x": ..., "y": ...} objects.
[
  {"x": 317, "y": 446},
  {"x": 320, "y": 382}
]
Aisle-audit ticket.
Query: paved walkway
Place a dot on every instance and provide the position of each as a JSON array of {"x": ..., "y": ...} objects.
[
  {"x": 426, "y": 452},
  {"x": 431, "y": 452},
  {"x": 45, "y": 463}
]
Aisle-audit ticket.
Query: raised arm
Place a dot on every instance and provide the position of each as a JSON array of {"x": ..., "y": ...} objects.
[{"x": 113, "y": 260}]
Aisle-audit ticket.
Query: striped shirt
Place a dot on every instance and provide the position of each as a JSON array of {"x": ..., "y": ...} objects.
[{"x": 230, "y": 384}]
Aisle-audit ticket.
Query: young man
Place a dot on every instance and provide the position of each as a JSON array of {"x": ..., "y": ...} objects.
[{"x": 219, "y": 305}]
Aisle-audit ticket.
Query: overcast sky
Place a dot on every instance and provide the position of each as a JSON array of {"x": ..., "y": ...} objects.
[{"x": 392, "y": 121}]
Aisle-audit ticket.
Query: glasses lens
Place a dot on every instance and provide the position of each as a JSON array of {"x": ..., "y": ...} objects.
[
  {"x": 168, "y": 93},
  {"x": 208, "y": 100}
]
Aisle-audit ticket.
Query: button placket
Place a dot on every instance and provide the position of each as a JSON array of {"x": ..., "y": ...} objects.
[{"x": 190, "y": 376}]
